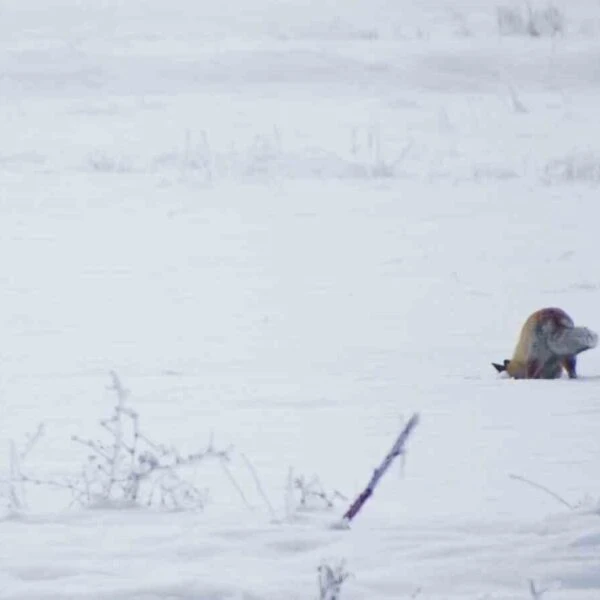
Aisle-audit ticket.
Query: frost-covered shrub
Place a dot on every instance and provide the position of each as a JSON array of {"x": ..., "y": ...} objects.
[
  {"x": 575, "y": 167},
  {"x": 368, "y": 156},
  {"x": 331, "y": 579},
  {"x": 104, "y": 163},
  {"x": 532, "y": 21},
  {"x": 125, "y": 467},
  {"x": 510, "y": 21},
  {"x": 309, "y": 494},
  {"x": 12, "y": 489}
]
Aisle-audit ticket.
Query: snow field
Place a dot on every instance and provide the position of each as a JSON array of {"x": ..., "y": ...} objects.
[{"x": 292, "y": 230}]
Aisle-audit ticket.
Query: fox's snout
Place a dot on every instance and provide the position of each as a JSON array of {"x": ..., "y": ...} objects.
[{"x": 501, "y": 368}]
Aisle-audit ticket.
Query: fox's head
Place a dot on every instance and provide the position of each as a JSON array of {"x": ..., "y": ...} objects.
[{"x": 501, "y": 368}]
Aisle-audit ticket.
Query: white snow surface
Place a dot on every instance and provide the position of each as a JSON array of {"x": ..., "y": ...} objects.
[{"x": 288, "y": 226}]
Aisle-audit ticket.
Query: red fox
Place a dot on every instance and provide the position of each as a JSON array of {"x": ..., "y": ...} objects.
[{"x": 549, "y": 342}]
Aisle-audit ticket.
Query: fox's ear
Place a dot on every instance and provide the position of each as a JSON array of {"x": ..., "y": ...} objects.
[{"x": 501, "y": 368}]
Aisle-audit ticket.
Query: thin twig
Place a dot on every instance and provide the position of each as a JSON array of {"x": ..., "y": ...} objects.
[
  {"x": 535, "y": 593},
  {"x": 259, "y": 486},
  {"x": 235, "y": 484},
  {"x": 32, "y": 441},
  {"x": 543, "y": 489},
  {"x": 95, "y": 447}
]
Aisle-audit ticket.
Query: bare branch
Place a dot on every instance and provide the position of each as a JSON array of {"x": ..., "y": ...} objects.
[{"x": 396, "y": 450}]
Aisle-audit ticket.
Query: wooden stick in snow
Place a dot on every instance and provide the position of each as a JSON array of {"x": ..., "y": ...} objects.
[{"x": 397, "y": 450}]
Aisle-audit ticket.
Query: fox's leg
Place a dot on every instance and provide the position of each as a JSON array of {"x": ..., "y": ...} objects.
[
  {"x": 548, "y": 369},
  {"x": 533, "y": 370},
  {"x": 570, "y": 365}
]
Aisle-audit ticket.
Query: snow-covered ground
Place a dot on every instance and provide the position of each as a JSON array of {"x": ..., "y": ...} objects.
[{"x": 288, "y": 226}]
